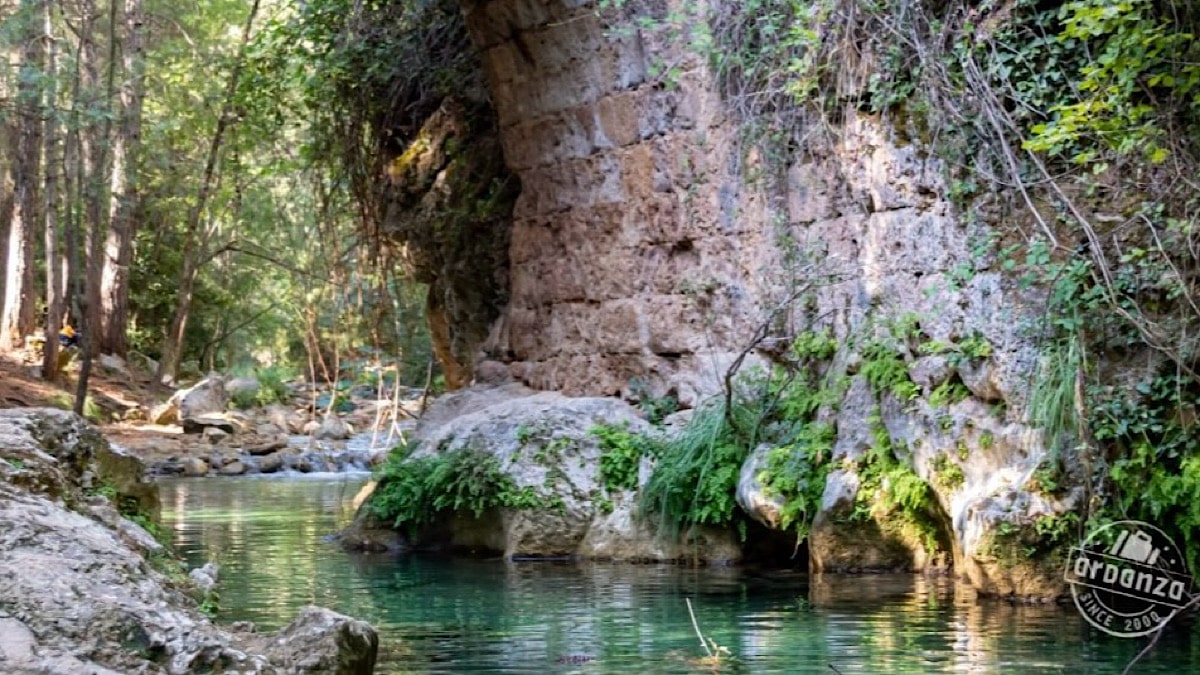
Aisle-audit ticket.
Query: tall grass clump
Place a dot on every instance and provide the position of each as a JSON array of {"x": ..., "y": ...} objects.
[{"x": 697, "y": 470}]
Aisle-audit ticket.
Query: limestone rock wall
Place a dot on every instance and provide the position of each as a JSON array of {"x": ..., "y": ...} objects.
[
  {"x": 629, "y": 257},
  {"x": 644, "y": 250}
]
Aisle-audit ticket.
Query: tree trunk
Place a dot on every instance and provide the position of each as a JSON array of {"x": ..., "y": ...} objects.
[
  {"x": 96, "y": 147},
  {"x": 114, "y": 285},
  {"x": 168, "y": 365},
  {"x": 8, "y": 143},
  {"x": 54, "y": 297},
  {"x": 73, "y": 178},
  {"x": 18, "y": 319}
]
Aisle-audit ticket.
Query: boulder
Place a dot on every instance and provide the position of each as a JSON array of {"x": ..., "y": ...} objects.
[
  {"x": 623, "y": 535},
  {"x": 333, "y": 428},
  {"x": 265, "y": 447},
  {"x": 200, "y": 424},
  {"x": 194, "y": 467},
  {"x": 205, "y": 578},
  {"x": 271, "y": 463},
  {"x": 543, "y": 442},
  {"x": 113, "y": 364},
  {"x": 268, "y": 429},
  {"x": 143, "y": 362},
  {"x": 285, "y": 418},
  {"x": 464, "y": 402},
  {"x": 165, "y": 413},
  {"x": 214, "y": 434},
  {"x": 205, "y": 398},
  {"x": 323, "y": 641},
  {"x": 234, "y": 468},
  {"x": 758, "y": 502}
]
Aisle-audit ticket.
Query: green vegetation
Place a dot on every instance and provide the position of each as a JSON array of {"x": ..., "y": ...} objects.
[
  {"x": 1144, "y": 69},
  {"x": 968, "y": 349},
  {"x": 1045, "y": 539},
  {"x": 621, "y": 456},
  {"x": 949, "y": 392},
  {"x": 272, "y": 387},
  {"x": 892, "y": 494},
  {"x": 696, "y": 471},
  {"x": 946, "y": 472},
  {"x": 1156, "y": 473},
  {"x": 414, "y": 493},
  {"x": 885, "y": 369},
  {"x": 656, "y": 408},
  {"x": 797, "y": 471}
]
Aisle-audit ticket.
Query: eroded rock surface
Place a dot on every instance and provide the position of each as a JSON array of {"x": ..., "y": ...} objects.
[
  {"x": 544, "y": 442},
  {"x": 80, "y": 593}
]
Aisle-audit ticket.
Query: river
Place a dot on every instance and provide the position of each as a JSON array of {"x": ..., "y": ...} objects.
[{"x": 446, "y": 615}]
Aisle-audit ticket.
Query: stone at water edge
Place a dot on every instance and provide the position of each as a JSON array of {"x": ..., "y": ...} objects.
[
  {"x": 205, "y": 577},
  {"x": 270, "y": 463},
  {"x": 194, "y": 467},
  {"x": 323, "y": 641},
  {"x": 79, "y": 597},
  {"x": 544, "y": 443},
  {"x": 753, "y": 496},
  {"x": 235, "y": 468},
  {"x": 333, "y": 429},
  {"x": 266, "y": 447}
]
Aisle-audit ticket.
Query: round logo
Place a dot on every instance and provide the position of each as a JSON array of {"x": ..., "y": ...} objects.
[{"x": 1128, "y": 578}]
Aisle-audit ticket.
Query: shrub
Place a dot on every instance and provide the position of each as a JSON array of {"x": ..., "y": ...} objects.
[
  {"x": 414, "y": 493},
  {"x": 621, "y": 455}
]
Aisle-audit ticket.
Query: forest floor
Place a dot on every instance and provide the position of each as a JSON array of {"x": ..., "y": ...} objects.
[
  {"x": 121, "y": 399},
  {"x": 114, "y": 393}
]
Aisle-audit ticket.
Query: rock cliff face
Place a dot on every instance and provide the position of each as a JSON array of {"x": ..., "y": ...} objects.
[
  {"x": 650, "y": 249},
  {"x": 632, "y": 254}
]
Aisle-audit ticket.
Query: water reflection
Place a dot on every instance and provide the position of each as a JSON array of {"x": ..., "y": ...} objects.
[{"x": 441, "y": 615}]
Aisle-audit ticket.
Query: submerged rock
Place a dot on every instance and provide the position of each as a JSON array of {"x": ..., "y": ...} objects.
[{"x": 84, "y": 590}]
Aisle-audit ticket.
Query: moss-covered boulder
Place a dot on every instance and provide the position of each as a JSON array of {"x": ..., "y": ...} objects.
[{"x": 523, "y": 474}]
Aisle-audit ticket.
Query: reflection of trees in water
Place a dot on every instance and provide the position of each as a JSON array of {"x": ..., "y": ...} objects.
[
  {"x": 443, "y": 614},
  {"x": 267, "y": 536}
]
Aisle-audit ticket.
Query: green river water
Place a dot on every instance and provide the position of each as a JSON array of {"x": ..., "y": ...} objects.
[{"x": 444, "y": 615}]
